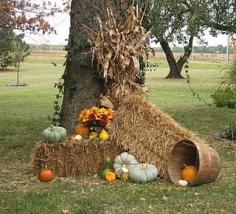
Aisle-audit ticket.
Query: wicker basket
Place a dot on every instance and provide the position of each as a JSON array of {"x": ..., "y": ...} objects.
[{"x": 191, "y": 153}]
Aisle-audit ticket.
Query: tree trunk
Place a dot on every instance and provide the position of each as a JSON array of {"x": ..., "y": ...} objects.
[
  {"x": 82, "y": 85},
  {"x": 174, "y": 72},
  {"x": 187, "y": 52},
  {"x": 18, "y": 74},
  {"x": 176, "y": 66}
]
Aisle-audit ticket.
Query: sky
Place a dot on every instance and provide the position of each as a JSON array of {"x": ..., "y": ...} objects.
[{"x": 61, "y": 22}]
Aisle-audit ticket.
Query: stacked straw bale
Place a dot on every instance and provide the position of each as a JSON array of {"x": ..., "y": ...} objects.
[
  {"x": 67, "y": 159},
  {"x": 147, "y": 132}
]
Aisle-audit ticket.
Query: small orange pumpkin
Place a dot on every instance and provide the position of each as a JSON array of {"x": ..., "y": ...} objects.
[
  {"x": 82, "y": 130},
  {"x": 189, "y": 173},
  {"x": 110, "y": 177},
  {"x": 46, "y": 175}
]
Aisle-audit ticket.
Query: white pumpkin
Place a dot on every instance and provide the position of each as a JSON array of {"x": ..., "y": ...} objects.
[
  {"x": 78, "y": 137},
  {"x": 183, "y": 183},
  {"x": 143, "y": 173},
  {"x": 124, "y": 162}
]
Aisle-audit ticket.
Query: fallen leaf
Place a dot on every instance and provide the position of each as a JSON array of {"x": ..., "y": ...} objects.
[{"x": 65, "y": 211}]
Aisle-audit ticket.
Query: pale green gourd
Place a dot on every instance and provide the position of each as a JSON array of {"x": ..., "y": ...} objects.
[
  {"x": 62, "y": 131},
  {"x": 54, "y": 134},
  {"x": 124, "y": 161},
  {"x": 143, "y": 173}
]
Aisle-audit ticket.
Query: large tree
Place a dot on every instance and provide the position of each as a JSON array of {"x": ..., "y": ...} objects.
[
  {"x": 82, "y": 86},
  {"x": 176, "y": 21},
  {"x": 180, "y": 21}
]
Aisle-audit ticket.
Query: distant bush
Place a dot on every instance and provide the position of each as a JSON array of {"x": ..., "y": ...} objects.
[
  {"x": 6, "y": 37},
  {"x": 225, "y": 95}
]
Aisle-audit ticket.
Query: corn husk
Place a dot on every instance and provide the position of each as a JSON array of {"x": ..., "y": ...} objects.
[{"x": 117, "y": 48}]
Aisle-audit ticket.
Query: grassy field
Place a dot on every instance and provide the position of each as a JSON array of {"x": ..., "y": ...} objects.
[{"x": 23, "y": 116}]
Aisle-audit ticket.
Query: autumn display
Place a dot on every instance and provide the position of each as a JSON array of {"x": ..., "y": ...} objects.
[{"x": 138, "y": 139}]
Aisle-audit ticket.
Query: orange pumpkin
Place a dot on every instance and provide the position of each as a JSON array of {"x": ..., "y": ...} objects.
[
  {"x": 110, "y": 177},
  {"x": 189, "y": 173},
  {"x": 82, "y": 130},
  {"x": 46, "y": 175}
]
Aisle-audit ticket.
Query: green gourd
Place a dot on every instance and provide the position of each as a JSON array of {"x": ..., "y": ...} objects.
[
  {"x": 123, "y": 162},
  {"x": 62, "y": 131},
  {"x": 124, "y": 177},
  {"x": 54, "y": 134},
  {"x": 143, "y": 173},
  {"x": 107, "y": 166}
]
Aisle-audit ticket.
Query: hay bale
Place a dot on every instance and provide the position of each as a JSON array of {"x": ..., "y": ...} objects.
[
  {"x": 67, "y": 159},
  {"x": 147, "y": 132}
]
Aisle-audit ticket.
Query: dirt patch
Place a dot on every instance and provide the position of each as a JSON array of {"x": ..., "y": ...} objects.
[
  {"x": 227, "y": 143},
  {"x": 15, "y": 175},
  {"x": 7, "y": 70}
]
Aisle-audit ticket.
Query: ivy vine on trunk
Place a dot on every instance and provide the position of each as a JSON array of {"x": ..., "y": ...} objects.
[{"x": 82, "y": 86}]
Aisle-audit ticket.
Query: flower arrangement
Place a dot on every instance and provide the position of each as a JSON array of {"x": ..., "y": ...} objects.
[
  {"x": 95, "y": 116},
  {"x": 93, "y": 124}
]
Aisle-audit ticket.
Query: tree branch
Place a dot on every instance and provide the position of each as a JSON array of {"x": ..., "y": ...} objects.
[
  {"x": 227, "y": 28},
  {"x": 187, "y": 52}
]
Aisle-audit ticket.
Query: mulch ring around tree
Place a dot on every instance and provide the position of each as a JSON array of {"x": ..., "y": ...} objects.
[{"x": 216, "y": 136}]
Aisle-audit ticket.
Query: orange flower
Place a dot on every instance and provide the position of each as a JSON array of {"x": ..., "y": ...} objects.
[
  {"x": 96, "y": 114},
  {"x": 109, "y": 113},
  {"x": 84, "y": 115}
]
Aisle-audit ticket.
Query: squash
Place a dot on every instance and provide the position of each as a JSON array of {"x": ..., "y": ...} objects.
[
  {"x": 110, "y": 177},
  {"x": 103, "y": 136},
  {"x": 143, "y": 173},
  {"x": 124, "y": 177},
  {"x": 183, "y": 183},
  {"x": 46, "y": 175},
  {"x": 107, "y": 167},
  {"x": 93, "y": 135},
  {"x": 108, "y": 161},
  {"x": 189, "y": 173},
  {"x": 123, "y": 163},
  {"x": 78, "y": 137},
  {"x": 62, "y": 131},
  {"x": 82, "y": 130},
  {"x": 54, "y": 134}
]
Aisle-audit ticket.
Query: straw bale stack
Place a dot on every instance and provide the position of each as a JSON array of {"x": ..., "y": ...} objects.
[
  {"x": 67, "y": 159},
  {"x": 147, "y": 132}
]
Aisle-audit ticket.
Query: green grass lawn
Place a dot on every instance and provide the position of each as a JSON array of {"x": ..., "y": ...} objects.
[{"x": 23, "y": 116}]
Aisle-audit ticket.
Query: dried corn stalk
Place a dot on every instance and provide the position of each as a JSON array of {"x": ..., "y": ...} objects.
[{"x": 117, "y": 49}]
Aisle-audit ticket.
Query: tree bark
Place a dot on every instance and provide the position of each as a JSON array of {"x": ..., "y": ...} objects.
[
  {"x": 18, "y": 74},
  {"x": 176, "y": 66},
  {"x": 187, "y": 53},
  {"x": 82, "y": 86}
]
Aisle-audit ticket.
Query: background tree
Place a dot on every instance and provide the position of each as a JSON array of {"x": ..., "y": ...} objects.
[
  {"x": 20, "y": 50},
  {"x": 220, "y": 15},
  {"x": 19, "y": 15},
  {"x": 177, "y": 22},
  {"x": 6, "y": 37},
  {"x": 180, "y": 21}
]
